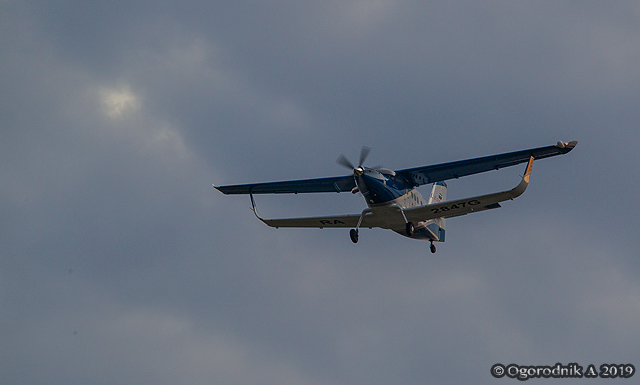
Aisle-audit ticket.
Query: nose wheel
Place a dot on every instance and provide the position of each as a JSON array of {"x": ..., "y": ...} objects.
[
  {"x": 353, "y": 234},
  {"x": 432, "y": 247}
]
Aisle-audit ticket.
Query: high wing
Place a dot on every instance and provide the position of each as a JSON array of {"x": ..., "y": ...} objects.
[
  {"x": 332, "y": 184},
  {"x": 459, "y": 207},
  {"x": 453, "y": 170},
  {"x": 416, "y": 176}
]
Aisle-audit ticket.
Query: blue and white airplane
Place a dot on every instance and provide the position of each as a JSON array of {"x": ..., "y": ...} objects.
[{"x": 392, "y": 199}]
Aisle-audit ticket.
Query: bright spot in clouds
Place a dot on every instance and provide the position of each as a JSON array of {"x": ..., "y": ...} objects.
[{"x": 117, "y": 103}]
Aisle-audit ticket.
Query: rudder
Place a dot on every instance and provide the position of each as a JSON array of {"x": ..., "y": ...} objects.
[{"x": 438, "y": 194}]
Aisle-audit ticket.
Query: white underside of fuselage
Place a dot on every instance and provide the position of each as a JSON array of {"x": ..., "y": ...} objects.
[{"x": 394, "y": 220}]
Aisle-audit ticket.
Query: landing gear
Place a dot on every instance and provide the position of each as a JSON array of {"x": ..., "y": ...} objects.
[
  {"x": 432, "y": 247},
  {"x": 354, "y": 235},
  {"x": 409, "y": 228}
]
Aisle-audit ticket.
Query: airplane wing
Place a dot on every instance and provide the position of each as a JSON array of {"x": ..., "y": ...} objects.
[
  {"x": 459, "y": 207},
  {"x": 453, "y": 170},
  {"x": 381, "y": 218},
  {"x": 337, "y": 221},
  {"x": 417, "y": 175},
  {"x": 332, "y": 184},
  {"x": 370, "y": 219}
]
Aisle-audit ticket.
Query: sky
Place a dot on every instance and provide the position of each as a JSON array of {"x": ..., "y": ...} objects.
[{"x": 120, "y": 264}]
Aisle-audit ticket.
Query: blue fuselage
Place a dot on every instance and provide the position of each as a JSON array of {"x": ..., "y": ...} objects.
[{"x": 378, "y": 188}]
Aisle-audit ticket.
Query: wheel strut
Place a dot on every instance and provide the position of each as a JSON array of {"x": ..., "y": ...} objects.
[{"x": 353, "y": 234}]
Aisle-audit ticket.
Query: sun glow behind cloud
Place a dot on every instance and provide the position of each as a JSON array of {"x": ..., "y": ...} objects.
[
  {"x": 122, "y": 103},
  {"x": 119, "y": 102}
]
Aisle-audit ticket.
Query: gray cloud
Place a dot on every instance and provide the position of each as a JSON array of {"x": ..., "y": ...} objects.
[{"x": 120, "y": 264}]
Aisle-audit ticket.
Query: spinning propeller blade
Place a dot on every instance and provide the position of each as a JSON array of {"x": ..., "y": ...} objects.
[
  {"x": 364, "y": 152},
  {"x": 344, "y": 161}
]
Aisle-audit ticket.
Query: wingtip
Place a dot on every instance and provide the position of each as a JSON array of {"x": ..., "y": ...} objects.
[
  {"x": 565, "y": 147},
  {"x": 524, "y": 183},
  {"x": 527, "y": 172},
  {"x": 217, "y": 188}
]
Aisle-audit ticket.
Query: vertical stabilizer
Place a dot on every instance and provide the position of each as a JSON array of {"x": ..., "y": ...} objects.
[{"x": 438, "y": 195}]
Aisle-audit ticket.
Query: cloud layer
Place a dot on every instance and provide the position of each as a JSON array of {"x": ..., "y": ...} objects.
[{"x": 120, "y": 264}]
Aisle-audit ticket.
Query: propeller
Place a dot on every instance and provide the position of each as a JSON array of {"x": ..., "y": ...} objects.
[
  {"x": 345, "y": 162},
  {"x": 364, "y": 152}
]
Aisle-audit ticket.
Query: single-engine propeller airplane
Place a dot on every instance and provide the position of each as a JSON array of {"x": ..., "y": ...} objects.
[{"x": 393, "y": 202}]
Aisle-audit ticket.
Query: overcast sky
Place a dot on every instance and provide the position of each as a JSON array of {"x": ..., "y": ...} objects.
[{"x": 120, "y": 264}]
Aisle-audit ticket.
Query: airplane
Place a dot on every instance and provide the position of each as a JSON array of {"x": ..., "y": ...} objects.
[{"x": 393, "y": 202}]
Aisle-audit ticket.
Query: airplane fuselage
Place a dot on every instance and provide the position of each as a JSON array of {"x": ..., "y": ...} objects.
[
  {"x": 387, "y": 194},
  {"x": 380, "y": 188}
]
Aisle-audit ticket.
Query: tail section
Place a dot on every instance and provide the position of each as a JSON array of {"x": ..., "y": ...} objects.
[{"x": 438, "y": 195}]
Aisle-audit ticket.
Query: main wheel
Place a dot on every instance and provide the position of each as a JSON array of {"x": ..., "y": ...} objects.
[
  {"x": 409, "y": 228},
  {"x": 354, "y": 235},
  {"x": 433, "y": 248}
]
